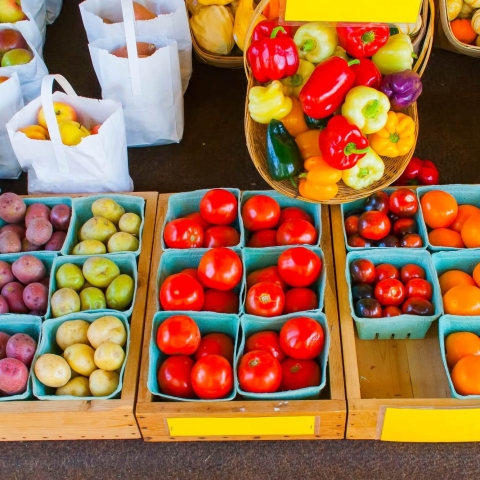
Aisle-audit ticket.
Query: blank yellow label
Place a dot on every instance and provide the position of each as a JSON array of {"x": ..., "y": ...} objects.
[
  {"x": 245, "y": 426},
  {"x": 431, "y": 425},
  {"x": 388, "y": 11}
]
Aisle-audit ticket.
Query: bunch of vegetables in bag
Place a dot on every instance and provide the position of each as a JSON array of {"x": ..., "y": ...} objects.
[
  {"x": 332, "y": 99},
  {"x": 464, "y": 18}
]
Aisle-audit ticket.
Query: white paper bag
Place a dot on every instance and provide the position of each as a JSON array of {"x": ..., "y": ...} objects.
[
  {"x": 171, "y": 22},
  {"x": 30, "y": 74},
  {"x": 11, "y": 102},
  {"x": 36, "y": 10},
  {"x": 99, "y": 163},
  {"x": 53, "y": 10}
]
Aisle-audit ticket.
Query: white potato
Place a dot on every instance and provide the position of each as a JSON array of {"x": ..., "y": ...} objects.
[
  {"x": 52, "y": 370},
  {"x": 107, "y": 329},
  {"x": 72, "y": 332},
  {"x": 77, "y": 387},
  {"x": 80, "y": 358},
  {"x": 103, "y": 383}
]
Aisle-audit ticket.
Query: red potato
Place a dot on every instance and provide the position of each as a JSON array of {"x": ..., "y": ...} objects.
[
  {"x": 29, "y": 247},
  {"x": 10, "y": 242},
  {"x": 12, "y": 208},
  {"x": 39, "y": 231},
  {"x": 60, "y": 217},
  {"x": 56, "y": 241},
  {"x": 29, "y": 269},
  {"x": 46, "y": 281},
  {"x": 35, "y": 296},
  {"x": 19, "y": 229},
  {"x": 3, "y": 306},
  {"x": 36, "y": 210},
  {"x": 13, "y": 376},
  {"x": 21, "y": 347},
  {"x": 4, "y": 337},
  {"x": 13, "y": 293},
  {"x": 6, "y": 275}
]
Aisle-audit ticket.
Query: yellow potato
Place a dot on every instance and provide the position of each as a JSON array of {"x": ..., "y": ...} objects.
[
  {"x": 52, "y": 370},
  {"x": 130, "y": 223},
  {"x": 103, "y": 383},
  {"x": 77, "y": 387},
  {"x": 71, "y": 332},
  {"x": 107, "y": 208},
  {"x": 107, "y": 329},
  {"x": 80, "y": 358},
  {"x": 109, "y": 356}
]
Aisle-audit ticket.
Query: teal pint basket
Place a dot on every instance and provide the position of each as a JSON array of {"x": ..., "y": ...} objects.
[
  {"x": 174, "y": 261},
  {"x": 125, "y": 261},
  {"x": 464, "y": 194},
  {"x": 251, "y": 324},
  {"x": 404, "y": 326},
  {"x": 48, "y": 344},
  {"x": 181, "y": 204},
  {"x": 82, "y": 211},
  {"x": 313, "y": 209},
  {"x": 450, "y": 324},
  {"x": 31, "y": 325},
  {"x": 257, "y": 258},
  {"x": 207, "y": 323},
  {"x": 351, "y": 208}
]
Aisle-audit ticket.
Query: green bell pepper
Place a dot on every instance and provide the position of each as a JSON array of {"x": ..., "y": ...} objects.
[
  {"x": 395, "y": 56},
  {"x": 283, "y": 155}
]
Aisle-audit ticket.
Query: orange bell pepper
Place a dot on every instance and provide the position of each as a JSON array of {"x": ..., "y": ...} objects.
[
  {"x": 272, "y": 10},
  {"x": 320, "y": 181},
  {"x": 294, "y": 122},
  {"x": 308, "y": 143}
]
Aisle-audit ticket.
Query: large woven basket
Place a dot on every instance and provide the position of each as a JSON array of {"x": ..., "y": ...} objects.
[{"x": 256, "y": 133}]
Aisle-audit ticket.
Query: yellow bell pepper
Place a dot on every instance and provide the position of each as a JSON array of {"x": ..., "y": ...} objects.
[
  {"x": 194, "y": 6},
  {"x": 396, "y": 138},
  {"x": 214, "y": 2},
  {"x": 293, "y": 85},
  {"x": 315, "y": 41},
  {"x": 243, "y": 18},
  {"x": 320, "y": 181},
  {"x": 294, "y": 122},
  {"x": 268, "y": 103},
  {"x": 368, "y": 170},
  {"x": 308, "y": 143}
]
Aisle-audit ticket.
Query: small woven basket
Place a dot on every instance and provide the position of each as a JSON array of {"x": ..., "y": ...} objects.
[{"x": 256, "y": 133}]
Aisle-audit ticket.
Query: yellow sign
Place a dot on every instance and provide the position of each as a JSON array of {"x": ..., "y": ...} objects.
[
  {"x": 431, "y": 425},
  {"x": 245, "y": 426},
  {"x": 386, "y": 11}
]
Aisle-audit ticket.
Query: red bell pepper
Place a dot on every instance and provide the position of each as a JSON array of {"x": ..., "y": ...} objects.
[
  {"x": 273, "y": 58},
  {"x": 419, "y": 172},
  {"x": 362, "y": 40},
  {"x": 264, "y": 30},
  {"x": 327, "y": 87},
  {"x": 366, "y": 74},
  {"x": 342, "y": 144}
]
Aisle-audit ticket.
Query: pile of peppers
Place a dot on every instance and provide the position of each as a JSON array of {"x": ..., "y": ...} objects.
[{"x": 332, "y": 99}]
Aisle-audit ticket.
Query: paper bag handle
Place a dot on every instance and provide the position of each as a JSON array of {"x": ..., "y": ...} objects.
[
  {"x": 130, "y": 36},
  {"x": 50, "y": 117}
]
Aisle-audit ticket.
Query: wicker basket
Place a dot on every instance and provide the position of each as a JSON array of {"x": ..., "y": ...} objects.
[
  {"x": 256, "y": 133},
  {"x": 453, "y": 44}
]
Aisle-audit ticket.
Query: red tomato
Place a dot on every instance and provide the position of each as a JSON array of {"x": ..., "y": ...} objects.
[
  {"x": 356, "y": 240},
  {"x": 212, "y": 377},
  {"x": 362, "y": 271},
  {"x": 260, "y": 212},
  {"x": 221, "y": 301},
  {"x": 351, "y": 225},
  {"x": 300, "y": 300},
  {"x": 302, "y": 338},
  {"x": 290, "y": 213},
  {"x": 265, "y": 300},
  {"x": 298, "y": 374},
  {"x": 178, "y": 335},
  {"x": 411, "y": 240},
  {"x": 390, "y": 292},
  {"x": 418, "y": 287},
  {"x": 215, "y": 344},
  {"x": 183, "y": 233},
  {"x": 174, "y": 377},
  {"x": 266, "y": 341},
  {"x": 391, "y": 312},
  {"x": 378, "y": 202},
  {"x": 404, "y": 226},
  {"x": 374, "y": 225},
  {"x": 262, "y": 239},
  {"x": 221, "y": 237},
  {"x": 403, "y": 203},
  {"x": 296, "y": 232},
  {"x": 220, "y": 268},
  {"x": 417, "y": 306},
  {"x": 411, "y": 271},
  {"x": 219, "y": 207},
  {"x": 268, "y": 274},
  {"x": 197, "y": 216},
  {"x": 299, "y": 267},
  {"x": 259, "y": 372},
  {"x": 384, "y": 271},
  {"x": 181, "y": 292},
  {"x": 192, "y": 272}
]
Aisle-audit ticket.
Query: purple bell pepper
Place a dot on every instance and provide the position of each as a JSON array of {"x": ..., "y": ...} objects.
[{"x": 402, "y": 89}]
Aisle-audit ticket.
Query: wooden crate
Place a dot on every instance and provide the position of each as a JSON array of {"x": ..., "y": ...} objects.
[
  {"x": 397, "y": 390},
  {"x": 97, "y": 419},
  {"x": 245, "y": 420}
]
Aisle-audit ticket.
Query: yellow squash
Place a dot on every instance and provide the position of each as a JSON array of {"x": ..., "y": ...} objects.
[{"x": 243, "y": 18}]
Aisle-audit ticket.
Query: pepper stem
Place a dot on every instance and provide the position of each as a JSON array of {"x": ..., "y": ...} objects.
[
  {"x": 363, "y": 172},
  {"x": 371, "y": 110},
  {"x": 414, "y": 55},
  {"x": 276, "y": 30},
  {"x": 302, "y": 175},
  {"x": 351, "y": 148},
  {"x": 309, "y": 45},
  {"x": 394, "y": 137},
  {"x": 355, "y": 61},
  {"x": 368, "y": 37},
  {"x": 297, "y": 80},
  {"x": 293, "y": 182}
]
